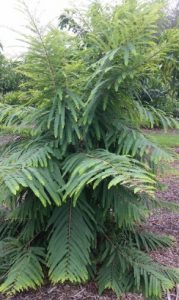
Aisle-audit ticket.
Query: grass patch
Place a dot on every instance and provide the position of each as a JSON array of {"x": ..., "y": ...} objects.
[{"x": 169, "y": 139}]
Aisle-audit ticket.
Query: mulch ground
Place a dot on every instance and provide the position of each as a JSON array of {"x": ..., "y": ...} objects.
[{"x": 161, "y": 221}]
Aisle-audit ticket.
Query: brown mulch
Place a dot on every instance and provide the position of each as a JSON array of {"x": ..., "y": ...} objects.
[
  {"x": 161, "y": 221},
  {"x": 167, "y": 222},
  {"x": 64, "y": 292}
]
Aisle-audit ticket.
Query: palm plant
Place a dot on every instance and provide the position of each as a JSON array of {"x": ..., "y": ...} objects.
[{"x": 79, "y": 182}]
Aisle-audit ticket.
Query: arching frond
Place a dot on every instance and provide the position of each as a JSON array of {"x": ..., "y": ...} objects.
[
  {"x": 25, "y": 270},
  {"x": 14, "y": 114},
  {"x": 149, "y": 278},
  {"x": 127, "y": 208},
  {"x": 148, "y": 241},
  {"x": 69, "y": 248},
  {"x": 29, "y": 215},
  {"x": 96, "y": 166},
  {"x": 134, "y": 142},
  {"x": 19, "y": 171}
]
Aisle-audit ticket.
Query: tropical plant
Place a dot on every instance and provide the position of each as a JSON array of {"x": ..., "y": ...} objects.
[{"x": 79, "y": 182}]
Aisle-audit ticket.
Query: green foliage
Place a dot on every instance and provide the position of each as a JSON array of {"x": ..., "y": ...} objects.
[
  {"x": 96, "y": 166},
  {"x": 161, "y": 90},
  {"x": 25, "y": 268},
  {"x": 28, "y": 169},
  {"x": 144, "y": 275},
  {"x": 79, "y": 181},
  {"x": 69, "y": 247},
  {"x": 10, "y": 79}
]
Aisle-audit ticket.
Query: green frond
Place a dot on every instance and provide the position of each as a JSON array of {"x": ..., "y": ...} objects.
[
  {"x": 63, "y": 114},
  {"x": 17, "y": 173},
  {"x": 172, "y": 206},
  {"x": 42, "y": 53},
  {"x": 153, "y": 116},
  {"x": 134, "y": 142},
  {"x": 14, "y": 114},
  {"x": 126, "y": 207},
  {"x": 148, "y": 241},
  {"x": 109, "y": 277},
  {"x": 144, "y": 275},
  {"x": 25, "y": 270},
  {"x": 9, "y": 250},
  {"x": 37, "y": 155},
  {"x": 69, "y": 247},
  {"x": 30, "y": 215},
  {"x": 98, "y": 165},
  {"x": 151, "y": 278}
]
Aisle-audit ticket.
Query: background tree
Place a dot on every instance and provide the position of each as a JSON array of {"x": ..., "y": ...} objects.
[{"x": 10, "y": 79}]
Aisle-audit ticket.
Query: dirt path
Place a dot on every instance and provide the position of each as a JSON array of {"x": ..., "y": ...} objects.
[{"x": 162, "y": 221}]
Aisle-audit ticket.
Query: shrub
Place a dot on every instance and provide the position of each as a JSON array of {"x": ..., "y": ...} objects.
[{"x": 79, "y": 183}]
